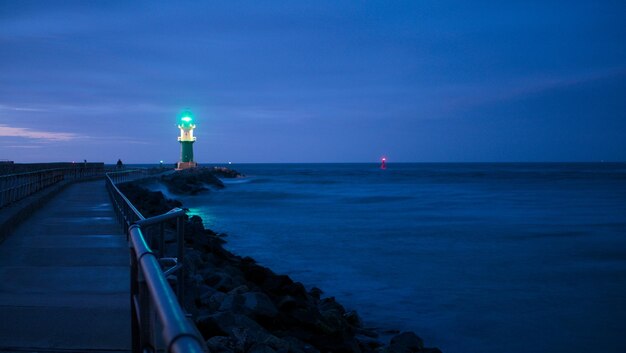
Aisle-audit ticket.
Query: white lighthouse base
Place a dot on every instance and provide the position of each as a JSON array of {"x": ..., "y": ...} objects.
[{"x": 186, "y": 165}]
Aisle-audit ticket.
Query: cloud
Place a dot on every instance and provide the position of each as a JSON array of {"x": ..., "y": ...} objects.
[
  {"x": 25, "y": 109},
  {"x": 8, "y": 131},
  {"x": 464, "y": 97},
  {"x": 23, "y": 146}
]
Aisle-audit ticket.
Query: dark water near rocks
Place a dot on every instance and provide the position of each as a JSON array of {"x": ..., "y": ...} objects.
[{"x": 472, "y": 257}]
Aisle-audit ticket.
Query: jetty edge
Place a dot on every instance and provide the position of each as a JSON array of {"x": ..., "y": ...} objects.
[{"x": 240, "y": 306}]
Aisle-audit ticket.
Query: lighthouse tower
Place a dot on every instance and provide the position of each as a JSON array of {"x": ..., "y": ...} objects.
[{"x": 186, "y": 140}]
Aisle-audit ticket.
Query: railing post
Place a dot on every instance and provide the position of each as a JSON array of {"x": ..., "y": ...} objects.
[
  {"x": 134, "y": 308},
  {"x": 162, "y": 240},
  {"x": 180, "y": 277},
  {"x": 146, "y": 317}
]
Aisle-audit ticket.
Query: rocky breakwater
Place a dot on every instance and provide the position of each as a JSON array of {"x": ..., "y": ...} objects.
[
  {"x": 240, "y": 306},
  {"x": 195, "y": 180}
]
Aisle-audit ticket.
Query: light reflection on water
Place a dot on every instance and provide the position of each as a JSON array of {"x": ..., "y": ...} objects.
[{"x": 203, "y": 213}]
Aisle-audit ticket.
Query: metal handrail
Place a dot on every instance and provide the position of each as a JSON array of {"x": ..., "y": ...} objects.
[
  {"x": 126, "y": 212},
  {"x": 150, "y": 290},
  {"x": 17, "y": 186}
]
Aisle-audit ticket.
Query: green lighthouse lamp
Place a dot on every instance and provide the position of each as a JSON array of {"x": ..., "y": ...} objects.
[{"x": 186, "y": 140}]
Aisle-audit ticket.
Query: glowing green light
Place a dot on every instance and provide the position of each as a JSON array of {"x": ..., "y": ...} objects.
[{"x": 186, "y": 119}]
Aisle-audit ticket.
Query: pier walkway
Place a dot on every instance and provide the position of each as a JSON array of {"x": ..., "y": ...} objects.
[{"x": 64, "y": 278}]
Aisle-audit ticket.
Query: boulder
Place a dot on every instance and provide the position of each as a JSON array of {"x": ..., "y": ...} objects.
[
  {"x": 193, "y": 261},
  {"x": 275, "y": 283},
  {"x": 296, "y": 345},
  {"x": 248, "y": 261},
  {"x": 215, "y": 301},
  {"x": 368, "y": 343},
  {"x": 260, "y": 348},
  {"x": 233, "y": 325},
  {"x": 259, "y": 305},
  {"x": 149, "y": 203},
  {"x": 308, "y": 317},
  {"x": 295, "y": 289},
  {"x": 204, "y": 294},
  {"x": 276, "y": 343},
  {"x": 316, "y": 293},
  {"x": 224, "y": 172},
  {"x": 220, "y": 281},
  {"x": 240, "y": 290},
  {"x": 333, "y": 323},
  {"x": 287, "y": 303},
  {"x": 330, "y": 304},
  {"x": 255, "y": 273},
  {"x": 353, "y": 318},
  {"x": 232, "y": 303},
  {"x": 221, "y": 344},
  {"x": 405, "y": 342}
]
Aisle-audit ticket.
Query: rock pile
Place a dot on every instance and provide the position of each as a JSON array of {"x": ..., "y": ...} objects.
[
  {"x": 240, "y": 306},
  {"x": 192, "y": 181},
  {"x": 224, "y": 172},
  {"x": 150, "y": 203}
]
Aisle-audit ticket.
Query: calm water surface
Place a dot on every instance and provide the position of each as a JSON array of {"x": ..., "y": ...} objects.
[{"x": 472, "y": 257}]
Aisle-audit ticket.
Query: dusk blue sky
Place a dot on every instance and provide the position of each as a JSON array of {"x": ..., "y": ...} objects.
[{"x": 314, "y": 81}]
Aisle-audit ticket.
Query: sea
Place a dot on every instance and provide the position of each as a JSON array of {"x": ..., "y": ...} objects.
[{"x": 472, "y": 257}]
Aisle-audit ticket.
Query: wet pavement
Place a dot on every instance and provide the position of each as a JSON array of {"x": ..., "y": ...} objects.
[{"x": 64, "y": 277}]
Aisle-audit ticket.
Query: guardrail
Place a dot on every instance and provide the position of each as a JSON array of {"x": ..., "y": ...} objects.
[
  {"x": 151, "y": 292},
  {"x": 15, "y": 187}
]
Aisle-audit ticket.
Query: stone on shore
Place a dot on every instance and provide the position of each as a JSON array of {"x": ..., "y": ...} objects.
[
  {"x": 406, "y": 342},
  {"x": 259, "y": 305},
  {"x": 150, "y": 203},
  {"x": 191, "y": 181},
  {"x": 224, "y": 172}
]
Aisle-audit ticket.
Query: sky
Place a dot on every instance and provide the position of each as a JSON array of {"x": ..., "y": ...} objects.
[{"x": 314, "y": 81}]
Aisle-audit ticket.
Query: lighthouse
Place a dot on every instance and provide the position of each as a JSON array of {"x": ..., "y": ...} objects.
[{"x": 186, "y": 140}]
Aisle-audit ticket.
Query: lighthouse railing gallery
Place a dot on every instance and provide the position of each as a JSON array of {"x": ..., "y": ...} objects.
[{"x": 151, "y": 292}]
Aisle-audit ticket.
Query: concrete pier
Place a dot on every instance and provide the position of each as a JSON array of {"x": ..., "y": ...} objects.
[{"x": 64, "y": 277}]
